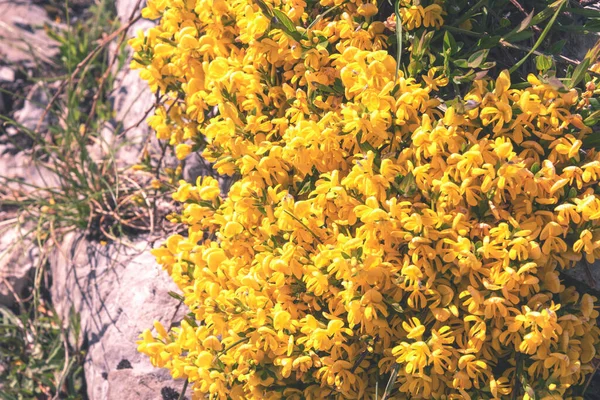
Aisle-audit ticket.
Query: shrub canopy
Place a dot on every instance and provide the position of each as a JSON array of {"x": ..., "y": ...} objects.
[{"x": 403, "y": 205}]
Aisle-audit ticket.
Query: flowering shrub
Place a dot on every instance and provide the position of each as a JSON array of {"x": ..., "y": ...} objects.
[{"x": 396, "y": 229}]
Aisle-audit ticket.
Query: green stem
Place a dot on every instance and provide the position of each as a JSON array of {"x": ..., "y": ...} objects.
[
  {"x": 464, "y": 31},
  {"x": 471, "y": 11},
  {"x": 398, "y": 38},
  {"x": 518, "y": 371},
  {"x": 182, "y": 394},
  {"x": 304, "y": 225},
  {"x": 540, "y": 39},
  {"x": 321, "y": 16},
  {"x": 231, "y": 346}
]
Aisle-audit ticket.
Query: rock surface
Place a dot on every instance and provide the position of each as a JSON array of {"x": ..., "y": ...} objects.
[
  {"x": 7, "y": 74},
  {"x": 19, "y": 257},
  {"x": 586, "y": 274},
  {"x": 117, "y": 291},
  {"x": 16, "y": 162},
  {"x": 22, "y": 33}
]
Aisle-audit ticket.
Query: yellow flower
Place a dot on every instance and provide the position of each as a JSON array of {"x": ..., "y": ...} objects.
[
  {"x": 432, "y": 16},
  {"x": 367, "y": 10},
  {"x": 474, "y": 368},
  {"x": 154, "y": 9},
  {"x": 182, "y": 150}
]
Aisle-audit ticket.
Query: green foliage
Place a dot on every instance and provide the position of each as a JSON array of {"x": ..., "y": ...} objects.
[
  {"x": 498, "y": 30},
  {"x": 41, "y": 359}
]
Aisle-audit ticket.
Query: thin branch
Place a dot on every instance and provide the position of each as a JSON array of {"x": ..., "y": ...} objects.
[{"x": 185, "y": 385}]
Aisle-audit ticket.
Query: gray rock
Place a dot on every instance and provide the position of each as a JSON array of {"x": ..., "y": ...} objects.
[
  {"x": 19, "y": 256},
  {"x": 194, "y": 166},
  {"x": 143, "y": 385},
  {"x": 585, "y": 275},
  {"x": 19, "y": 253},
  {"x": 33, "y": 109},
  {"x": 18, "y": 167},
  {"x": 22, "y": 37},
  {"x": 133, "y": 102},
  {"x": 118, "y": 291}
]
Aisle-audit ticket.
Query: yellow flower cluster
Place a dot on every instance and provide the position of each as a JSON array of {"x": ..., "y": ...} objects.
[{"x": 374, "y": 231}]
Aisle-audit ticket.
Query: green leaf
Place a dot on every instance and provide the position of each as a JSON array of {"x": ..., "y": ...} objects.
[
  {"x": 559, "y": 5},
  {"x": 461, "y": 63},
  {"x": 398, "y": 38},
  {"x": 488, "y": 42},
  {"x": 557, "y": 47},
  {"x": 586, "y": 12},
  {"x": 477, "y": 58},
  {"x": 397, "y": 307},
  {"x": 572, "y": 193},
  {"x": 408, "y": 185},
  {"x": 581, "y": 69},
  {"x": 414, "y": 68},
  {"x": 176, "y": 296},
  {"x": 338, "y": 86},
  {"x": 421, "y": 44},
  {"x": 449, "y": 43},
  {"x": 306, "y": 188},
  {"x": 190, "y": 320},
  {"x": 167, "y": 41},
  {"x": 540, "y": 17},
  {"x": 588, "y": 28},
  {"x": 592, "y": 119},
  {"x": 287, "y": 25},
  {"x": 468, "y": 77},
  {"x": 546, "y": 13},
  {"x": 329, "y": 89},
  {"x": 543, "y": 63},
  {"x": 519, "y": 37},
  {"x": 592, "y": 141}
]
